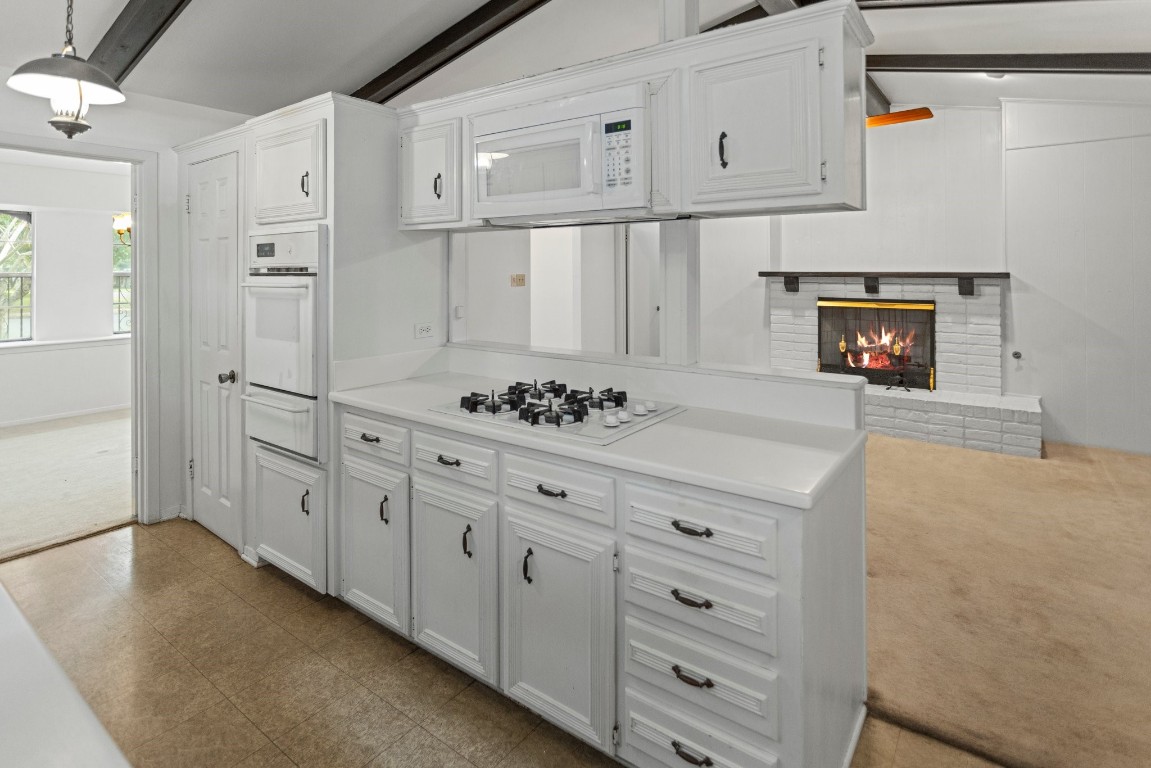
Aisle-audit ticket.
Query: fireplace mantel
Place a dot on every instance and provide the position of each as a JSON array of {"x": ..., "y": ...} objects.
[{"x": 966, "y": 280}]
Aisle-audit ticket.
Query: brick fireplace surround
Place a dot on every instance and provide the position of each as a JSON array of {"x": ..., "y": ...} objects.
[{"x": 968, "y": 408}]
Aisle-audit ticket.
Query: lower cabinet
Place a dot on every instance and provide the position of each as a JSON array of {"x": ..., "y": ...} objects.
[
  {"x": 558, "y": 638},
  {"x": 291, "y": 524},
  {"x": 375, "y": 566},
  {"x": 455, "y": 576}
]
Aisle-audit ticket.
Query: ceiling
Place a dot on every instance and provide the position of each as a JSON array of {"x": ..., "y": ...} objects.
[
  {"x": 258, "y": 55},
  {"x": 45, "y": 160}
]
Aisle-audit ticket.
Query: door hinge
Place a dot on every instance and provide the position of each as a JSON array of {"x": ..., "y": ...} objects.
[
  {"x": 821, "y": 57},
  {"x": 191, "y": 469},
  {"x": 187, "y": 203},
  {"x": 823, "y": 171},
  {"x": 412, "y": 626},
  {"x": 135, "y": 465},
  {"x": 615, "y": 734},
  {"x": 615, "y": 562}
]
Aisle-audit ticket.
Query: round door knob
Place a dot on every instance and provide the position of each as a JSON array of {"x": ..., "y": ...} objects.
[{"x": 226, "y": 378}]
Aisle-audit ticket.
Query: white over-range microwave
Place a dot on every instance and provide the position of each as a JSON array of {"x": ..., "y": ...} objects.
[{"x": 580, "y": 159}]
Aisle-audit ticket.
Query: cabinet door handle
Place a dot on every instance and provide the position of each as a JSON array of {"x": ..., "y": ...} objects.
[
  {"x": 387, "y": 520},
  {"x": 705, "y": 604},
  {"x": 688, "y": 757},
  {"x": 304, "y": 183},
  {"x": 448, "y": 462},
  {"x": 560, "y": 494},
  {"x": 369, "y": 438},
  {"x": 694, "y": 682},
  {"x": 304, "y": 503},
  {"x": 527, "y": 578},
  {"x": 467, "y": 530},
  {"x": 436, "y": 185},
  {"x": 722, "y": 149},
  {"x": 687, "y": 530}
]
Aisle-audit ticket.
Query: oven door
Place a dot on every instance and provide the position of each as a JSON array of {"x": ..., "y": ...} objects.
[
  {"x": 552, "y": 168},
  {"x": 280, "y": 333}
]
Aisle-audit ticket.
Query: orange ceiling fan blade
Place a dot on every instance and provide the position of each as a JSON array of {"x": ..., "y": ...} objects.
[{"x": 903, "y": 116}]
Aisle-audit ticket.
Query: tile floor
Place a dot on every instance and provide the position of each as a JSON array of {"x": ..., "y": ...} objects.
[{"x": 190, "y": 657}]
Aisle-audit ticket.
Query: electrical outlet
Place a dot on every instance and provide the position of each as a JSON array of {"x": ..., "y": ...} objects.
[
  {"x": 519, "y": 280},
  {"x": 423, "y": 330}
]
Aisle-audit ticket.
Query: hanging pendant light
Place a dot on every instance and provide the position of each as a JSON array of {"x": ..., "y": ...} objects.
[{"x": 69, "y": 82}]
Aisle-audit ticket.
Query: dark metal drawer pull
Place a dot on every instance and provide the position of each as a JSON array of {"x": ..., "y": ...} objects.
[
  {"x": 688, "y": 757},
  {"x": 687, "y": 530},
  {"x": 705, "y": 604},
  {"x": 448, "y": 462},
  {"x": 561, "y": 494},
  {"x": 436, "y": 185},
  {"x": 694, "y": 682},
  {"x": 722, "y": 149},
  {"x": 304, "y": 503},
  {"x": 527, "y": 578},
  {"x": 467, "y": 530},
  {"x": 304, "y": 185},
  {"x": 382, "y": 505},
  {"x": 369, "y": 438}
]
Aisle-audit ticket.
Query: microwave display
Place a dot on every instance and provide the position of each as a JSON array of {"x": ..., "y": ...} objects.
[{"x": 616, "y": 127}]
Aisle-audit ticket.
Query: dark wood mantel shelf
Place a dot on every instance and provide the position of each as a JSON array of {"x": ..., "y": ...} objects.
[{"x": 871, "y": 280}]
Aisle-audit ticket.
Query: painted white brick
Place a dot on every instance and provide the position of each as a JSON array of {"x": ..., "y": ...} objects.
[
  {"x": 1023, "y": 441},
  {"x": 946, "y": 419},
  {"x": 989, "y": 425},
  {"x": 880, "y": 410},
  {"x": 945, "y": 440},
  {"x": 904, "y": 414},
  {"x": 983, "y": 446},
  {"x": 1014, "y": 428},
  {"x": 1015, "y": 450},
  {"x": 981, "y": 435},
  {"x": 940, "y": 430},
  {"x": 877, "y": 423}
]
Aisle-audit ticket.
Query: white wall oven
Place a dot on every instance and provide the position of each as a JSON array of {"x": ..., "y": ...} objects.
[{"x": 281, "y": 337}]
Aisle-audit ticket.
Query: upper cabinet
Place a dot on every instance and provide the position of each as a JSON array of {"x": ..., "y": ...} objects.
[
  {"x": 290, "y": 173},
  {"x": 430, "y": 173}
]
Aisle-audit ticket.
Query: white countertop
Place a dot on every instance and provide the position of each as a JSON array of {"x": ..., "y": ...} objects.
[
  {"x": 784, "y": 462},
  {"x": 43, "y": 719}
]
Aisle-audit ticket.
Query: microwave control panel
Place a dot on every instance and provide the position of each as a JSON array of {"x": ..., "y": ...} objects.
[{"x": 623, "y": 158}]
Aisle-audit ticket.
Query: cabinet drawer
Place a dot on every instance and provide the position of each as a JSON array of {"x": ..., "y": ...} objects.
[
  {"x": 569, "y": 491},
  {"x": 720, "y": 533},
  {"x": 462, "y": 462},
  {"x": 375, "y": 438},
  {"x": 734, "y": 689},
  {"x": 738, "y": 610},
  {"x": 657, "y": 732}
]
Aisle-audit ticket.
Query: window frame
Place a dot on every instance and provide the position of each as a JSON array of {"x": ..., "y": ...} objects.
[{"x": 25, "y": 308}]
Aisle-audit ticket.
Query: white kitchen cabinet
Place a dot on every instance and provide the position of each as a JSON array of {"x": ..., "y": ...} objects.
[
  {"x": 430, "y": 186},
  {"x": 290, "y": 173},
  {"x": 455, "y": 576},
  {"x": 558, "y": 639},
  {"x": 375, "y": 524},
  {"x": 290, "y": 519}
]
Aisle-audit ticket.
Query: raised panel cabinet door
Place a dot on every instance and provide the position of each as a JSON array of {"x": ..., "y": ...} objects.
[
  {"x": 374, "y": 503},
  {"x": 291, "y": 520},
  {"x": 755, "y": 126},
  {"x": 289, "y": 174},
  {"x": 558, "y": 637},
  {"x": 430, "y": 173},
  {"x": 455, "y": 576}
]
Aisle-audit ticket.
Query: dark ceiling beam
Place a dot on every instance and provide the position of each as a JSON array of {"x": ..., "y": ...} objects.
[
  {"x": 877, "y": 101},
  {"x": 1062, "y": 63},
  {"x": 753, "y": 12},
  {"x": 476, "y": 27},
  {"x": 773, "y": 7},
  {"x": 873, "y": 5},
  {"x": 132, "y": 35}
]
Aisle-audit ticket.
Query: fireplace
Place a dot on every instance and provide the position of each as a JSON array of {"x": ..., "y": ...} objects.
[{"x": 891, "y": 343}]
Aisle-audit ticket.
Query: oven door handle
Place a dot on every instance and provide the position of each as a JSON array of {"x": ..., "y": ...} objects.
[
  {"x": 270, "y": 404},
  {"x": 278, "y": 286}
]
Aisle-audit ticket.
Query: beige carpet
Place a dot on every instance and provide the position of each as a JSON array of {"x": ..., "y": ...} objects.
[
  {"x": 1009, "y": 601},
  {"x": 63, "y": 479}
]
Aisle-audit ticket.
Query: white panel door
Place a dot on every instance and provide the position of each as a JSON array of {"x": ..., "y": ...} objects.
[
  {"x": 558, "y": 637},
  {"x": 216, "y": 354},
  {"x": 290, "y": 519},
  {"x": 374, "y": 503},
  {"x": 289, "y": 174},
  {"x": 430, "y": 173},
  {"x": 455, "y": 577}
]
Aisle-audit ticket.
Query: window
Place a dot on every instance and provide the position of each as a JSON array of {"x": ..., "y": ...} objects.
[
  {"x": 15, "y": 276},
  {"x": 121, "y": 281}
]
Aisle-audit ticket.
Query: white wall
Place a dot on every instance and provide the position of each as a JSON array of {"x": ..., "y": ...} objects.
[
  {"x": 555, "y": 288},
  {"x": 72, "y": 276},
  {"x": 493, "y": 309},
  {"x": 38, "y": 186},
  {"x": 47, "y": 381},
  {"x": 598, "y": 277},
  {"x": 734, "y": 316}
]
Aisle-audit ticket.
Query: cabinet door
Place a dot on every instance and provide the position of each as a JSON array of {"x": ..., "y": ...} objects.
[
  {"x": 290, "y": 517},
  {"x": 455, "y": 576},
  {"x": 430, "y": 173},
  {"x": 755, "y": 126},
  {"x": 559, "y": 623},
  {"x": 374, "y": 502},
  {"x": 289, "y": 174}
]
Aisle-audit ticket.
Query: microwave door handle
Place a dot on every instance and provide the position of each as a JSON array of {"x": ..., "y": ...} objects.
[
  {"x": 270, "y": 404},
  {"x": 593, "y": 160}
]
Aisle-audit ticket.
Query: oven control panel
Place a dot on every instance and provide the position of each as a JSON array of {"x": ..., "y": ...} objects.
[{"x": 298, "y": 249}]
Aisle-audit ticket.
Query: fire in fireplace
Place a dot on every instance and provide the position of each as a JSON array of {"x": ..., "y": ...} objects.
[{"x": 888, "y": 342}]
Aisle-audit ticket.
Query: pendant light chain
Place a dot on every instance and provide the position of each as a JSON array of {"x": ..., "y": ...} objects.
[{"x": 68, "y": 26}]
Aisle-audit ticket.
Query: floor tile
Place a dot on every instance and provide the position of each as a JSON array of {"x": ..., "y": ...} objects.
[
  {"x": 193, "y": 635},
  {"x": 877, "y": 743},
  {"x": 481, "y": 725},
  {"x": 110, "y": 669},
  {"x": 136, "y": 575},
  {"x": 916, "y": 751},
  {"x": 345, "y": 734},
  {"x": 549, "y": 746},
  {"x": 418, "y": 684},
  {"x": 292, "y": 694},
  {"x": 218, "y": 736},
  {"x": 183, "y": 600},
  {"x": 419, "y": 749},
  {"x": 241, "y": 661},
  {"x": 40, "y": 565},
  {"x": 268, "y": 757},
  {"x": 156, "y": 706},
  {"x": 321, "y": 622},
  {"x": 366, "y": 650}
]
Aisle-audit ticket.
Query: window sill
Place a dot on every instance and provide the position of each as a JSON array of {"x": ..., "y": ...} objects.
[{"x": 13, "y": 347}]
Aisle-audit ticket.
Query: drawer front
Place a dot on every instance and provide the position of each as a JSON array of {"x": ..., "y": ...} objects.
[
  {"x": 375, "y": 438},
  {"x": 738, "y": 610},
  {"x": 726, "y": 535},
  {"x": 568, "y": 491},
  {"x": 285, "y": 421},
  {"x": 655, "y": 732},
  {"x": 734, "y": 689},
  {"x": 462, "y": 462}
]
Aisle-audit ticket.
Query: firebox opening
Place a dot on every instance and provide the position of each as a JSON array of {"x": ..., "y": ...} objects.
[{"x": 891, "y": 343}]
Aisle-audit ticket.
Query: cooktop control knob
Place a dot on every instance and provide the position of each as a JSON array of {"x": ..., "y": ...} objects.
[
  {"x": 610, "y": 420},
  {"x": 623, "y": 416},
  {"x": 650, "y": 405},
  {"x": 640, "y": 409}
]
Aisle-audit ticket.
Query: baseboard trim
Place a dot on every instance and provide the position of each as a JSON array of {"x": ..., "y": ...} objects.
[
  {"x": 855, "y": 734},
  {"x": 67, "y": 415},
  {"x": 250, "y": 557}
]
